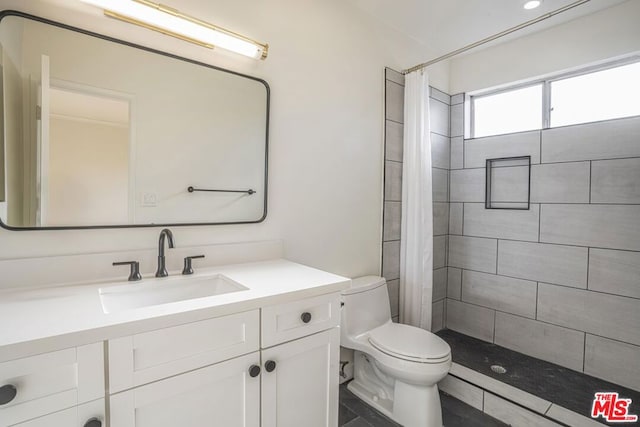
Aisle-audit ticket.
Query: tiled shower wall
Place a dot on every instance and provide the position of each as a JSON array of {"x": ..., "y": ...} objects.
[
  {"x": 439, "y": 103},
  {"x": 560, "y": 281}
]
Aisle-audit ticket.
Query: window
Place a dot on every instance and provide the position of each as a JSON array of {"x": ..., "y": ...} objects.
[
  {"x": 506, "y": 112},
  {"x": 603, "y": 94}
]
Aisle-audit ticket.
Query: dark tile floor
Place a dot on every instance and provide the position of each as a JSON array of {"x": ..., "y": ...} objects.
[
  {"x": 355, "y": 413},
  {"x": 570, "y": 389}
]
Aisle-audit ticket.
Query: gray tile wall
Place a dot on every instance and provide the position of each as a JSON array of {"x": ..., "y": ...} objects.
[
  {"x": 392, "y": 214},
  {"x": 502, "y": 293},
  {"x": 439, "y": 103},
  {"x": 542, "y": 340},
  {"x": 560, "y": 281},
  {"x": 609, "y": 359}
]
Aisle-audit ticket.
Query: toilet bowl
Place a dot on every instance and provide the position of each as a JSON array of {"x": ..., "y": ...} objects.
[{"x": 396, "y": 367}]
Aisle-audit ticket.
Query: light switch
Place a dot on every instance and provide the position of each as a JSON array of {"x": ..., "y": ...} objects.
[{"x": 149, "y": 200}]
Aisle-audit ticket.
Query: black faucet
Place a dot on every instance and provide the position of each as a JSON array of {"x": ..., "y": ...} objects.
[{"x": 162, "y": 269}]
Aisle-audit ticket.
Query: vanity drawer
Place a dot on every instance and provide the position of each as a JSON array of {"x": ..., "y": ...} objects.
[
  {"x": 72, "y": 417},
  {"x": 289, "y": 321},
  {"x": 50, "y": 382},
  {"x": 151, "y": 356}
]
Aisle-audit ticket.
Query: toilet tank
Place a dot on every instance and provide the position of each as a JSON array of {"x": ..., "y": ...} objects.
[{"x": 366, "y": 306}]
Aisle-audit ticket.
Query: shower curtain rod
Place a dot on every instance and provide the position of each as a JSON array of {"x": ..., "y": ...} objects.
[{"x": 496, "y": 36}]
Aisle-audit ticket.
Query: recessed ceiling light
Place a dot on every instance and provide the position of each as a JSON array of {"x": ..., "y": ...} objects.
[{"x": 532, "y": 4}]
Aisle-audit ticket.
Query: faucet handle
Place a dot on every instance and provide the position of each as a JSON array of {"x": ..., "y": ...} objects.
[
  {"x": 134, "y": 274},
  {"x": 187, "y": 264}
]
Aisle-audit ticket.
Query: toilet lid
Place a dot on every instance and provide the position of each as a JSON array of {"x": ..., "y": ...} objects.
[{"x": 410, "y": 343}]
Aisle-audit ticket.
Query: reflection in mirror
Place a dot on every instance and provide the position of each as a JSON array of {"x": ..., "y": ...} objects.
[
  {"x": 99, "y": 133},
  {"x": 88, "y": 138},
  {"x": 3, "y": 210}
]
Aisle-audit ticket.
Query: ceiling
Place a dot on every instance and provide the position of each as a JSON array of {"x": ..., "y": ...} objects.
[
  {"x": 75, "y": 105},
  {"x": 447, "y": 25}
]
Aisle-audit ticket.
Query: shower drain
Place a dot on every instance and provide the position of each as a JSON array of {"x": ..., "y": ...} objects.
[{"x": 498, "y": 369}]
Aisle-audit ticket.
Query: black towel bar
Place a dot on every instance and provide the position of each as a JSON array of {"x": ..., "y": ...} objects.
[{"x": 249, "y": 191}]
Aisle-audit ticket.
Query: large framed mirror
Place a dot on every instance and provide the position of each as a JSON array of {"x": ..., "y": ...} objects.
[{"x": 99, "y": 133}]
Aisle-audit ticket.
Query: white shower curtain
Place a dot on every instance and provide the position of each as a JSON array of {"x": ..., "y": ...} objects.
[{"x": 416, "y": 247}]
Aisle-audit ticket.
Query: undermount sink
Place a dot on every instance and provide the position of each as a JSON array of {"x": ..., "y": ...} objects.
[{"x": 162, "y": 291}]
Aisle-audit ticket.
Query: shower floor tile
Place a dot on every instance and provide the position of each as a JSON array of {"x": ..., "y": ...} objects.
[
  {"x": 570, "y": 389},
  {"x": 355, "y": 413}
]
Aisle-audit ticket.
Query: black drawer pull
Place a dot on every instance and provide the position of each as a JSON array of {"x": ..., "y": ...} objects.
[
  {"x": 7, "y": 393},
  {"x": 93, "y": 422},
  {"x": 254, "y": 371},
  {"x": 270, "y": 366},
  {"x": 306, "y": 317}
]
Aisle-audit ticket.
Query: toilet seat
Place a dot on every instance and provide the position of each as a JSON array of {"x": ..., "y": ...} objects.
[{"x": 409, "y": 343}]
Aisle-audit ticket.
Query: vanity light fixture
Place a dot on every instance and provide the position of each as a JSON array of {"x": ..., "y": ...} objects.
[
  {"x": 532, "y": 4},
  {"x": 170, "y": 21}
]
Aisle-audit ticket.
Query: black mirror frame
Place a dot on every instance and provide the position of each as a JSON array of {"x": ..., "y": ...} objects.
[{"x": 6, "y": 13}]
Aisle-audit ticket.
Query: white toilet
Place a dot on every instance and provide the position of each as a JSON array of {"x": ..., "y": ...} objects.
[{"x": 396, "y": 367}]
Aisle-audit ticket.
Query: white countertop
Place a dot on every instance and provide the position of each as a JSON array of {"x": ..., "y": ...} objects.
[{"x": 41, "y": 320}]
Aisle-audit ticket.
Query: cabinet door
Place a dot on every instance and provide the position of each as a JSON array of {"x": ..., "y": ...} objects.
[
  {"x": 219, "y": 395},
  {"x": 302, "y": 389}
]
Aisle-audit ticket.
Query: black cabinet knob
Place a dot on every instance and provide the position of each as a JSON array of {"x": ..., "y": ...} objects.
[
  {"x": 306, "y": 317},
  {"x": 270, "y": 366},
  {"x": 7, "y": 393},
  {"x": 93, "y": 422},
  {"x": 254, "y": 371}
]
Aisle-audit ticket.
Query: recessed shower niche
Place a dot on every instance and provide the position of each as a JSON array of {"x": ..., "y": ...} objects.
[{"x": 508, "y": 183}]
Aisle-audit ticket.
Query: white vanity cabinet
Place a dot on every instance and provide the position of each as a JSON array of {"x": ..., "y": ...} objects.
[
  {"x": 217, "y": 373},
  {"x": 275, "y": 366},
  {"x": 57, "y": 389}
]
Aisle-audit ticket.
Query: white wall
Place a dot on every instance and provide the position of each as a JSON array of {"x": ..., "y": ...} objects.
[
  {"x": 606, "y": 34},
  {"x": 88, "y": 173},
  {"x": 325, "y": 68}
]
